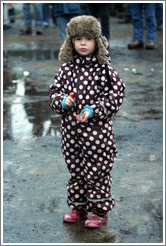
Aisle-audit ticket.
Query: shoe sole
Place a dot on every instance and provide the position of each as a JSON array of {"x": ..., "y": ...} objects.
[
  {"x": 95, "y": 227},
  {"x": 74, "y": 221}
]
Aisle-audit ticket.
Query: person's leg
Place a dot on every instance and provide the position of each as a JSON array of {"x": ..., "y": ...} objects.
[
  {"x": 27, "y": 20},
  {"x": 137, "y": 12},
  {"x": 61, "y": 22},
  {"x": 11, "y": 12},
  {"x": 93, "y": 9},
  {"x": 84, "y": 8},
  {"x": 27, "y": 15},
  {"x": 46, "y": 14},
  {"x": 104, "y": 15},
  {"x": 38, "y": 15},
  {"x": 128, "y": 16},
  {"x": 151, "y": 24},
  {"x": 76, "y": 186},
  {"x": 5, "y": 20},
  {"x": 159, "y": 14},
  {"x": 98, "y": 153},
  {"x": 99, "y": 197},
  {"x": 101, "y": 11}
]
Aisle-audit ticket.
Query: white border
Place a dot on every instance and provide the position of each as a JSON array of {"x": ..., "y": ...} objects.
[{"x": 163, "y": 125}]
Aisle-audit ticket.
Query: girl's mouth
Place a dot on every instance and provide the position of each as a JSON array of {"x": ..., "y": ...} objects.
[{"x": 83, "y": 49}]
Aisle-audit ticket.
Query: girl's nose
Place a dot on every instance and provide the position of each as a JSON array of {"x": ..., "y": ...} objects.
[{"x": 83, "y": 41}]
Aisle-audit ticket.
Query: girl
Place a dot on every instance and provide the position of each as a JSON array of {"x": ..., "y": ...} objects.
[{"x": 85, "y": 99}]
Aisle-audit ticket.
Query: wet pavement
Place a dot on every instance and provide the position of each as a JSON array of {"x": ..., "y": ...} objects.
[{"x": 35, "y": 174}]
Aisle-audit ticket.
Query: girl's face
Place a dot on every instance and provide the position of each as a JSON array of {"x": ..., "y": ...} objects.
[{"x": 84, "y": 45}]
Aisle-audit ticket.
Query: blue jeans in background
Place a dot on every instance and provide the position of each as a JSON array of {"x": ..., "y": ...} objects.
[
  {"x": 38, "y": 15},
  {"x": 46, "y": 13},
  {"x": 137, "y": 11},
  {"x": 61, "y": 22},
  {"x": 159, "y": 13},
  {"x": 5, "y": 19},
  {"x": 101, "y": 11}
]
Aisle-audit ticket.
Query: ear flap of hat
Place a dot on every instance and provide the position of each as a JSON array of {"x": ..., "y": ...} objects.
[
  {"x": 66, "y": 50},
  {"x": 102, "y": 51}
]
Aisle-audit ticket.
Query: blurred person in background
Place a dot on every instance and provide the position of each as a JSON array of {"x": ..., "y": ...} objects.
[
  {"x": 102, "y": 12},
  {"x": 149, "y": 11},
  {"x": 11, "y": 12},
  {"x": 127, "y": 18},
  {"x": 62, "y": 13},
  {"x": 159, "y": 15},
  {"x": 46, "y": 14},
  {"x": 38, "y": 17},
  {"x": 6, "y": 24}
]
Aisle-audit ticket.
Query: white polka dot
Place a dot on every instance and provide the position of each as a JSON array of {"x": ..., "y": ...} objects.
[
  {"x": 85, "y": 82},
  {"x": 87, "y": 143},
  {"x": 85, "y": 134},
  {"x": 93, "y": 147},
  {"x": 91, "y": 173},
  {"x": 94, "y": 169},
  {"x": 92, "y": 92},
  {"x": 91, "y": 138}
]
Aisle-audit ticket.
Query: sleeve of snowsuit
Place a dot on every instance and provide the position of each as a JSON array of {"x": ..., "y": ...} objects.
[
  {"x": 111, "y": 99},
  {"x": 58, "y": 93}
]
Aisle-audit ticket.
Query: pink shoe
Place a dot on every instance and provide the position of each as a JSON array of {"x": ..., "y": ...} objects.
[
  {"x": 75, "y": 215},
  {"x": 94, "y": 221}
]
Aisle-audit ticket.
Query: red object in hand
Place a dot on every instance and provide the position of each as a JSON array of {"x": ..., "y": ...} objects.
[{"x": 74, "y": 94}]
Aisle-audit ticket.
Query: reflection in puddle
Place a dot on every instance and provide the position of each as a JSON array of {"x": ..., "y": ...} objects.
[
  {"x": 21, "y": 128},
  {"x": 36, "y": 54},
  {"x": 25, "y": 118},
  {"x": 79, "y": 233}
]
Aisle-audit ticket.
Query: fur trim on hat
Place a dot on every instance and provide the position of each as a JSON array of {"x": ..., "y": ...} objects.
[{"x": 84, "y": 26}]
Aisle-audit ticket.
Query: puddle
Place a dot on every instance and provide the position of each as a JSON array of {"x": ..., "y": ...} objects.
[
  {"x": 32, "y": 54},
  {"x": 26, "y": 112}
]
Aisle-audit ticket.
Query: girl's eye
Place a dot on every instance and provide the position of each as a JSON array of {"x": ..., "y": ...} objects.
[{"x": 78, "y": 39}]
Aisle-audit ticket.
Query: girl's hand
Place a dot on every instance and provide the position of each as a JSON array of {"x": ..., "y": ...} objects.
[
  {"x": 69, "y": 100},
  {"x": 82, "y": 117}
]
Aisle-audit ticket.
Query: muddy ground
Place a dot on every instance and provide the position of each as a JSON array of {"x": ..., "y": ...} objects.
[{"x": 34, "y": 171}]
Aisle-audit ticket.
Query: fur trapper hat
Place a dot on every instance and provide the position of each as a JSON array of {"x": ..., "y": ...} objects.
[{"x": 84, "y": 25}]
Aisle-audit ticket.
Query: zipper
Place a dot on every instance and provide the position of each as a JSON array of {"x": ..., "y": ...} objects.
[{"x": 78, "y": 83}]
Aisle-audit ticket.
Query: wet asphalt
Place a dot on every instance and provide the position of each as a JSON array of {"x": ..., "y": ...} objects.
[{"x": 34, "y": 171}]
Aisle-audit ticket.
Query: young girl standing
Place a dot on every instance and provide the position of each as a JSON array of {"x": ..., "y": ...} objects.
[{"x": 87, "y": 92}]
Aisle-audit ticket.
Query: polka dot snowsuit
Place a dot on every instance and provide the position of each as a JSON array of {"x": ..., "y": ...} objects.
[{"x": 89, "y": 148}]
